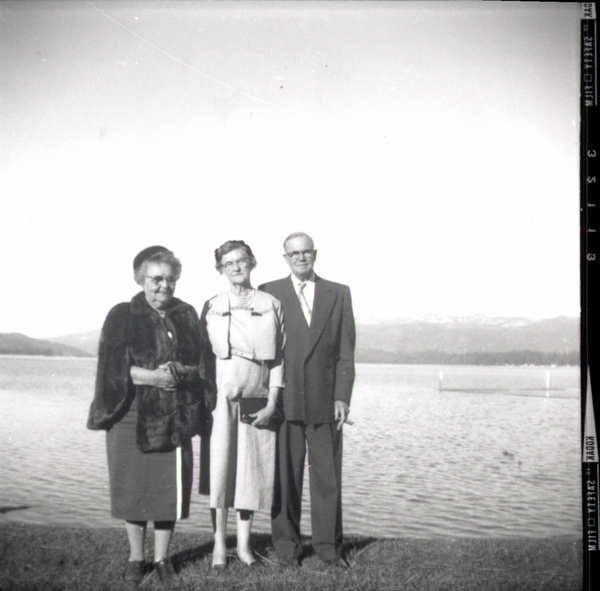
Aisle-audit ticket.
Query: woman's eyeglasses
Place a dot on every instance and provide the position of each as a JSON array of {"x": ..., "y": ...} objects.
[
  {"x": 231, "y": 264},
  {"x": 157, "y": 279}
]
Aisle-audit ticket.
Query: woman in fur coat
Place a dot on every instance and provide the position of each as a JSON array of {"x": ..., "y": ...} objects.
[{"x": 150, "y": 393}]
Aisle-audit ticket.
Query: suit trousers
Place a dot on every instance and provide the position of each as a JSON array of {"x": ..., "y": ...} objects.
[{"x": 324, "y": 445}]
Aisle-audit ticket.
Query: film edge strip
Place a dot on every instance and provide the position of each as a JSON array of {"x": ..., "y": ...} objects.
[{"x": 589, "y": 155}]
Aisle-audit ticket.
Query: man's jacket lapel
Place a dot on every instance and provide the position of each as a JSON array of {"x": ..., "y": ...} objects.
[
  {"x": 293, "y": 314},
  {"x": 323, "y": 304}
]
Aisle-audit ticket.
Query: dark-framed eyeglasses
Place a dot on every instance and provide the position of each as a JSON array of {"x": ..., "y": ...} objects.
[
  {"x": 158, "y": 279},
  {"x": 296, "y": 254}
]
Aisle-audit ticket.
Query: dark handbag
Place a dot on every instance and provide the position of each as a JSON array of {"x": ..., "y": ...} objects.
[{"x": 250, "y": 406}]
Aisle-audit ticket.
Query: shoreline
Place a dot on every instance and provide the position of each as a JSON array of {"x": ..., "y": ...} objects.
[
  {"x": 77, "y": 558},
  {"x": 431, "y": 363}
]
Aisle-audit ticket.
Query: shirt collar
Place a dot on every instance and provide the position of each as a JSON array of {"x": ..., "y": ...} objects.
[{"x": 297, "y": 281}]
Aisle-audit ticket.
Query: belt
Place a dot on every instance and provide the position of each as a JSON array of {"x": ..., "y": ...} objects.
[{"x": 242, "y": 354}]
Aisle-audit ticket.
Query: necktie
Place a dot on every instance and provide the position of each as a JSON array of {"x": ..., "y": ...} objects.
[{"x": 303, "y": 303}]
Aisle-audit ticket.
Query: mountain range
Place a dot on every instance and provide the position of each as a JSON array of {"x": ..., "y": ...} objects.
[
  {"x": 14, "y": 343},
  {"x": 434, "y": 339},
  {"x": 470, "y": 340}
]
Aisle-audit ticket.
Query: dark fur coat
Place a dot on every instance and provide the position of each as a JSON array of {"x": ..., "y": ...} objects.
[{"x": 135, "y": 334}]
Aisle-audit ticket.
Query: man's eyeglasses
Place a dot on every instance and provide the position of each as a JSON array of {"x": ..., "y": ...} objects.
[
  {"x": 296, "y": 254},
  {"x": 231, "y": 264}
]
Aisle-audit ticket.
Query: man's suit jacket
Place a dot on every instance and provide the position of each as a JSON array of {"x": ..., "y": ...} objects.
[{"x": 319, "y": 360}]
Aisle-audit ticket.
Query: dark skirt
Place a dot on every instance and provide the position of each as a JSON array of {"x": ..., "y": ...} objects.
[{"x": 154, "y": 486}]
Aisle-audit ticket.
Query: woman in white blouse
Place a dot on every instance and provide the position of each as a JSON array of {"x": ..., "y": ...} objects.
[{"x": 246, "y": 332}]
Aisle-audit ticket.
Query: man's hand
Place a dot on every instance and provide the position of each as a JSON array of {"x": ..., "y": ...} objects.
[{"x": 341, "y": 413}]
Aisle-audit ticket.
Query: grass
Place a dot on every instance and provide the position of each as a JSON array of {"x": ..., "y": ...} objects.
[{"x": 50, "y": 558}]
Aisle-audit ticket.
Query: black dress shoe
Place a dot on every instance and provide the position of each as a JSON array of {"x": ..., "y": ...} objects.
[
  {"x": 337, "y": 563},
  {"x": 165, "y": 570},
  {"x": 134, "y": 572}
]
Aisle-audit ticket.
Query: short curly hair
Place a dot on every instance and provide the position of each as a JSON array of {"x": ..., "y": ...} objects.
[
  {"x": 155, "y": 254},
  {"x": 230, "y": 245}
]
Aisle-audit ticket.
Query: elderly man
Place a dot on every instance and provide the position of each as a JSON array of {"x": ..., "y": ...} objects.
[{"x": 319, "y": 362}]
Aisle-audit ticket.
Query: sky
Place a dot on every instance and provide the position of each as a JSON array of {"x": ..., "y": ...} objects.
[{"x": 429, "y": 148}]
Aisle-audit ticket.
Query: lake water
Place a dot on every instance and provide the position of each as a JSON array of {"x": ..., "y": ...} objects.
[{"x": 493, "y": 454}]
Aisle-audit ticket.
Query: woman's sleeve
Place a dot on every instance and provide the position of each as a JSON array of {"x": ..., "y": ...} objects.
[
  {"x": 276, "y": 374},
  {"x": 207, "y": 369},
  {"x": 114, "y": 389}
]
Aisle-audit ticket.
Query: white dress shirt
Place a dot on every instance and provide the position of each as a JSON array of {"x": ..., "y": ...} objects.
[{"x": 309, "y": 290}]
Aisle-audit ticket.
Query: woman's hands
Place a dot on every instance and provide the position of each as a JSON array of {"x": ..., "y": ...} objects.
[
  {"x": 165, "y": 376},
  {"x": 263, "y": 416}
]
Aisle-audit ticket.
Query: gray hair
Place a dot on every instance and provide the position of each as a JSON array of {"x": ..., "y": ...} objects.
[
  {"x": 230, "y": 245},
  {"x": 298, "y": 235}
]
